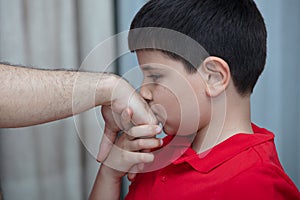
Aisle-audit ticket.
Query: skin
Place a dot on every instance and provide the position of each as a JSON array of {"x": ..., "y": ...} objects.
[
  {"x": 31, "y": 96},
  {"x": 125, "y": 156},
  {"x": 171, "y": 93},
  {"x": 205, "y": 104}
]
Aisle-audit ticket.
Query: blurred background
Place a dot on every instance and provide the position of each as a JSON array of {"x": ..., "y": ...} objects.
[{"x": 49, "y": 161}]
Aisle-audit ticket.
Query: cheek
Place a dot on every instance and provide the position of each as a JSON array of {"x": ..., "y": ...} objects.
[
  {"x": 172, "y": 106},
  {"x": 184, "y": 112},
  {"x": 180, "y": 108},
  {"x": 168, "y": 102}
]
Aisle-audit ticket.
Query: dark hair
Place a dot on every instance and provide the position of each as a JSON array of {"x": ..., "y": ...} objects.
[{"x": 233, "y": 30}]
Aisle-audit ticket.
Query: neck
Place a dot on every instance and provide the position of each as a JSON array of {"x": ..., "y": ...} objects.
[{"x": 228, "y": 119}]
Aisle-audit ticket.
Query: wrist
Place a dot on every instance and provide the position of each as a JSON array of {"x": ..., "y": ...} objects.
[
  {"x": 105, "y": 86},
  {"x": 114, "y": 90},
  {"x": 106, "y": 185},
  {"x": 111, "y": 174}
]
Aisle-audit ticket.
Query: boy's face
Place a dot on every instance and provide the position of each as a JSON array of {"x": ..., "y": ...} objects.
[{"x": 176, "y": 97}]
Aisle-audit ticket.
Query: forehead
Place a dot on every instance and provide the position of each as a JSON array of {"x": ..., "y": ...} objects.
[
  {"x": 145, "y": 56},
  {"x": 150, "y": 60}
]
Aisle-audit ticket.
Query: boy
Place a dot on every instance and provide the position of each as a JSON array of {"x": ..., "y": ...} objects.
[{"x": 204, "y": 100}]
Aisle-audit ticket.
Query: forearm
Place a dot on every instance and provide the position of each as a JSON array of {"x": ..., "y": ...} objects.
[
  {"x": 30, "y": 96},
  {"x": 106, "y": 187}
]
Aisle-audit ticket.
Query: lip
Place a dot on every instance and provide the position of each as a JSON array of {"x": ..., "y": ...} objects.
[{"x": 159, "y": 113}]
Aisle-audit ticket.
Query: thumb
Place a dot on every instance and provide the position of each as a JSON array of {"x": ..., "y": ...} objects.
[
  {"x": 126, "y": 116},
  {"x": 106, "y": 144}
]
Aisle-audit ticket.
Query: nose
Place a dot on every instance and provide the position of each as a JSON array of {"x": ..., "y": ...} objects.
[{"x": 146, "y": 93}]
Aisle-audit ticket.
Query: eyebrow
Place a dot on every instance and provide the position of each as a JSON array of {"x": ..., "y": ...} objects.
[
  {"x": 147, "y": 67},
  {"x": 153, "y": 68}
]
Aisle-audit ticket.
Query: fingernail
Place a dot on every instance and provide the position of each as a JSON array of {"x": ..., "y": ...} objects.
[
  {"x": 161, "y": 142},
  {"x": 158, "y": 129}
]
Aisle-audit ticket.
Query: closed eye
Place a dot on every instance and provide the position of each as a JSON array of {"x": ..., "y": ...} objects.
[{"x": 154, "y": 77}]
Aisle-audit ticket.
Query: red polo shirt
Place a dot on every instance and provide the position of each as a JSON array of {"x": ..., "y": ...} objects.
[{"x": 245, "y": 166}]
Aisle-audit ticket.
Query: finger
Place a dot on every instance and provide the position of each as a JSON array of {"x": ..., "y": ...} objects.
[
  {"x": 111, "y": 119},
  {"x": 141, "y": 144},
  {"x": 144, "y": 131},
  {"x": 126, "y": 116},
  {"x": 122, "y": 160},
  {"x": 139, "y": 157},
  {"x": 131, "y": 176},
  {"x": 142, "y": 114},
  {"x": 106, "y": 144},
  {"x": 137, "y": 168},
  {"x": 134, "y": 170}
]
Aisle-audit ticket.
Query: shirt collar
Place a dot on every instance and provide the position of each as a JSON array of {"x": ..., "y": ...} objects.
[{"x": 224, "y": 151}]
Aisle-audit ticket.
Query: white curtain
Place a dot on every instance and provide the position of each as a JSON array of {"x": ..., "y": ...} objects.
[{"x": 49, "y": 161}]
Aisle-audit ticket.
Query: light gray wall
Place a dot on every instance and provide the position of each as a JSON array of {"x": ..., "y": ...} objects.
[
  {"x": 276, "y": 99},
  {"x": 275, "y": 102}
]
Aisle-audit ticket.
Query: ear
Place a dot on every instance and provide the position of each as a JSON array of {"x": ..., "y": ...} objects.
[{"x": 216, "y": 75}]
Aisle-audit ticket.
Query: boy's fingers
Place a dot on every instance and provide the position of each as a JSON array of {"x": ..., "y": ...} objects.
[
  {"x": 144, "y": 131},
  {"x": 125, "y": 160},
  {"x": 137, "y": 168},
  {"x": 134, "y": 170},
  {"x": 140, "y": 144},
  {"x": 131, "y": 176},
  {"x": 143, "y": 157}
]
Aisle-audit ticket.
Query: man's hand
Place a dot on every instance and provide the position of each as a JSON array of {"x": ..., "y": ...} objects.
[
  {"x": 124, "y": 96},
  {"x": 126, "y": 108}
]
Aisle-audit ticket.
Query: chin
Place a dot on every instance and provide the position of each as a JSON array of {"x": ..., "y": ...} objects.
[{"x": 168, "y": 130}]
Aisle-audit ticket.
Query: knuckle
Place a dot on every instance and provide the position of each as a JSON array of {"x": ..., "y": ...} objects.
[
  {"x": 122, "y": 146},
  {"x": 125, "y": 157},
  {"x": 142, "y": 158},
  {"x": 156, "y": 142},
  {"x": 140, "y": 143},
  {"x": 151, "y": 129},
  {"x": 146, "y": 157},
  {"x": 131, "y": 132}
]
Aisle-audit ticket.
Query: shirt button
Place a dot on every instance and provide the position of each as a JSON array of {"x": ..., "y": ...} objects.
[{"x": 164, "y": 179}]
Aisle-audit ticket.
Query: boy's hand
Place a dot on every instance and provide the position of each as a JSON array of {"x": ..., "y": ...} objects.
[
  {"x": 126, "y": 156},
  {"x": 113, "y": 124}
]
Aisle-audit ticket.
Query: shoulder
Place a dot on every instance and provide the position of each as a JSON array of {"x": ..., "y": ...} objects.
[{"x": 261, "y": 182}]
